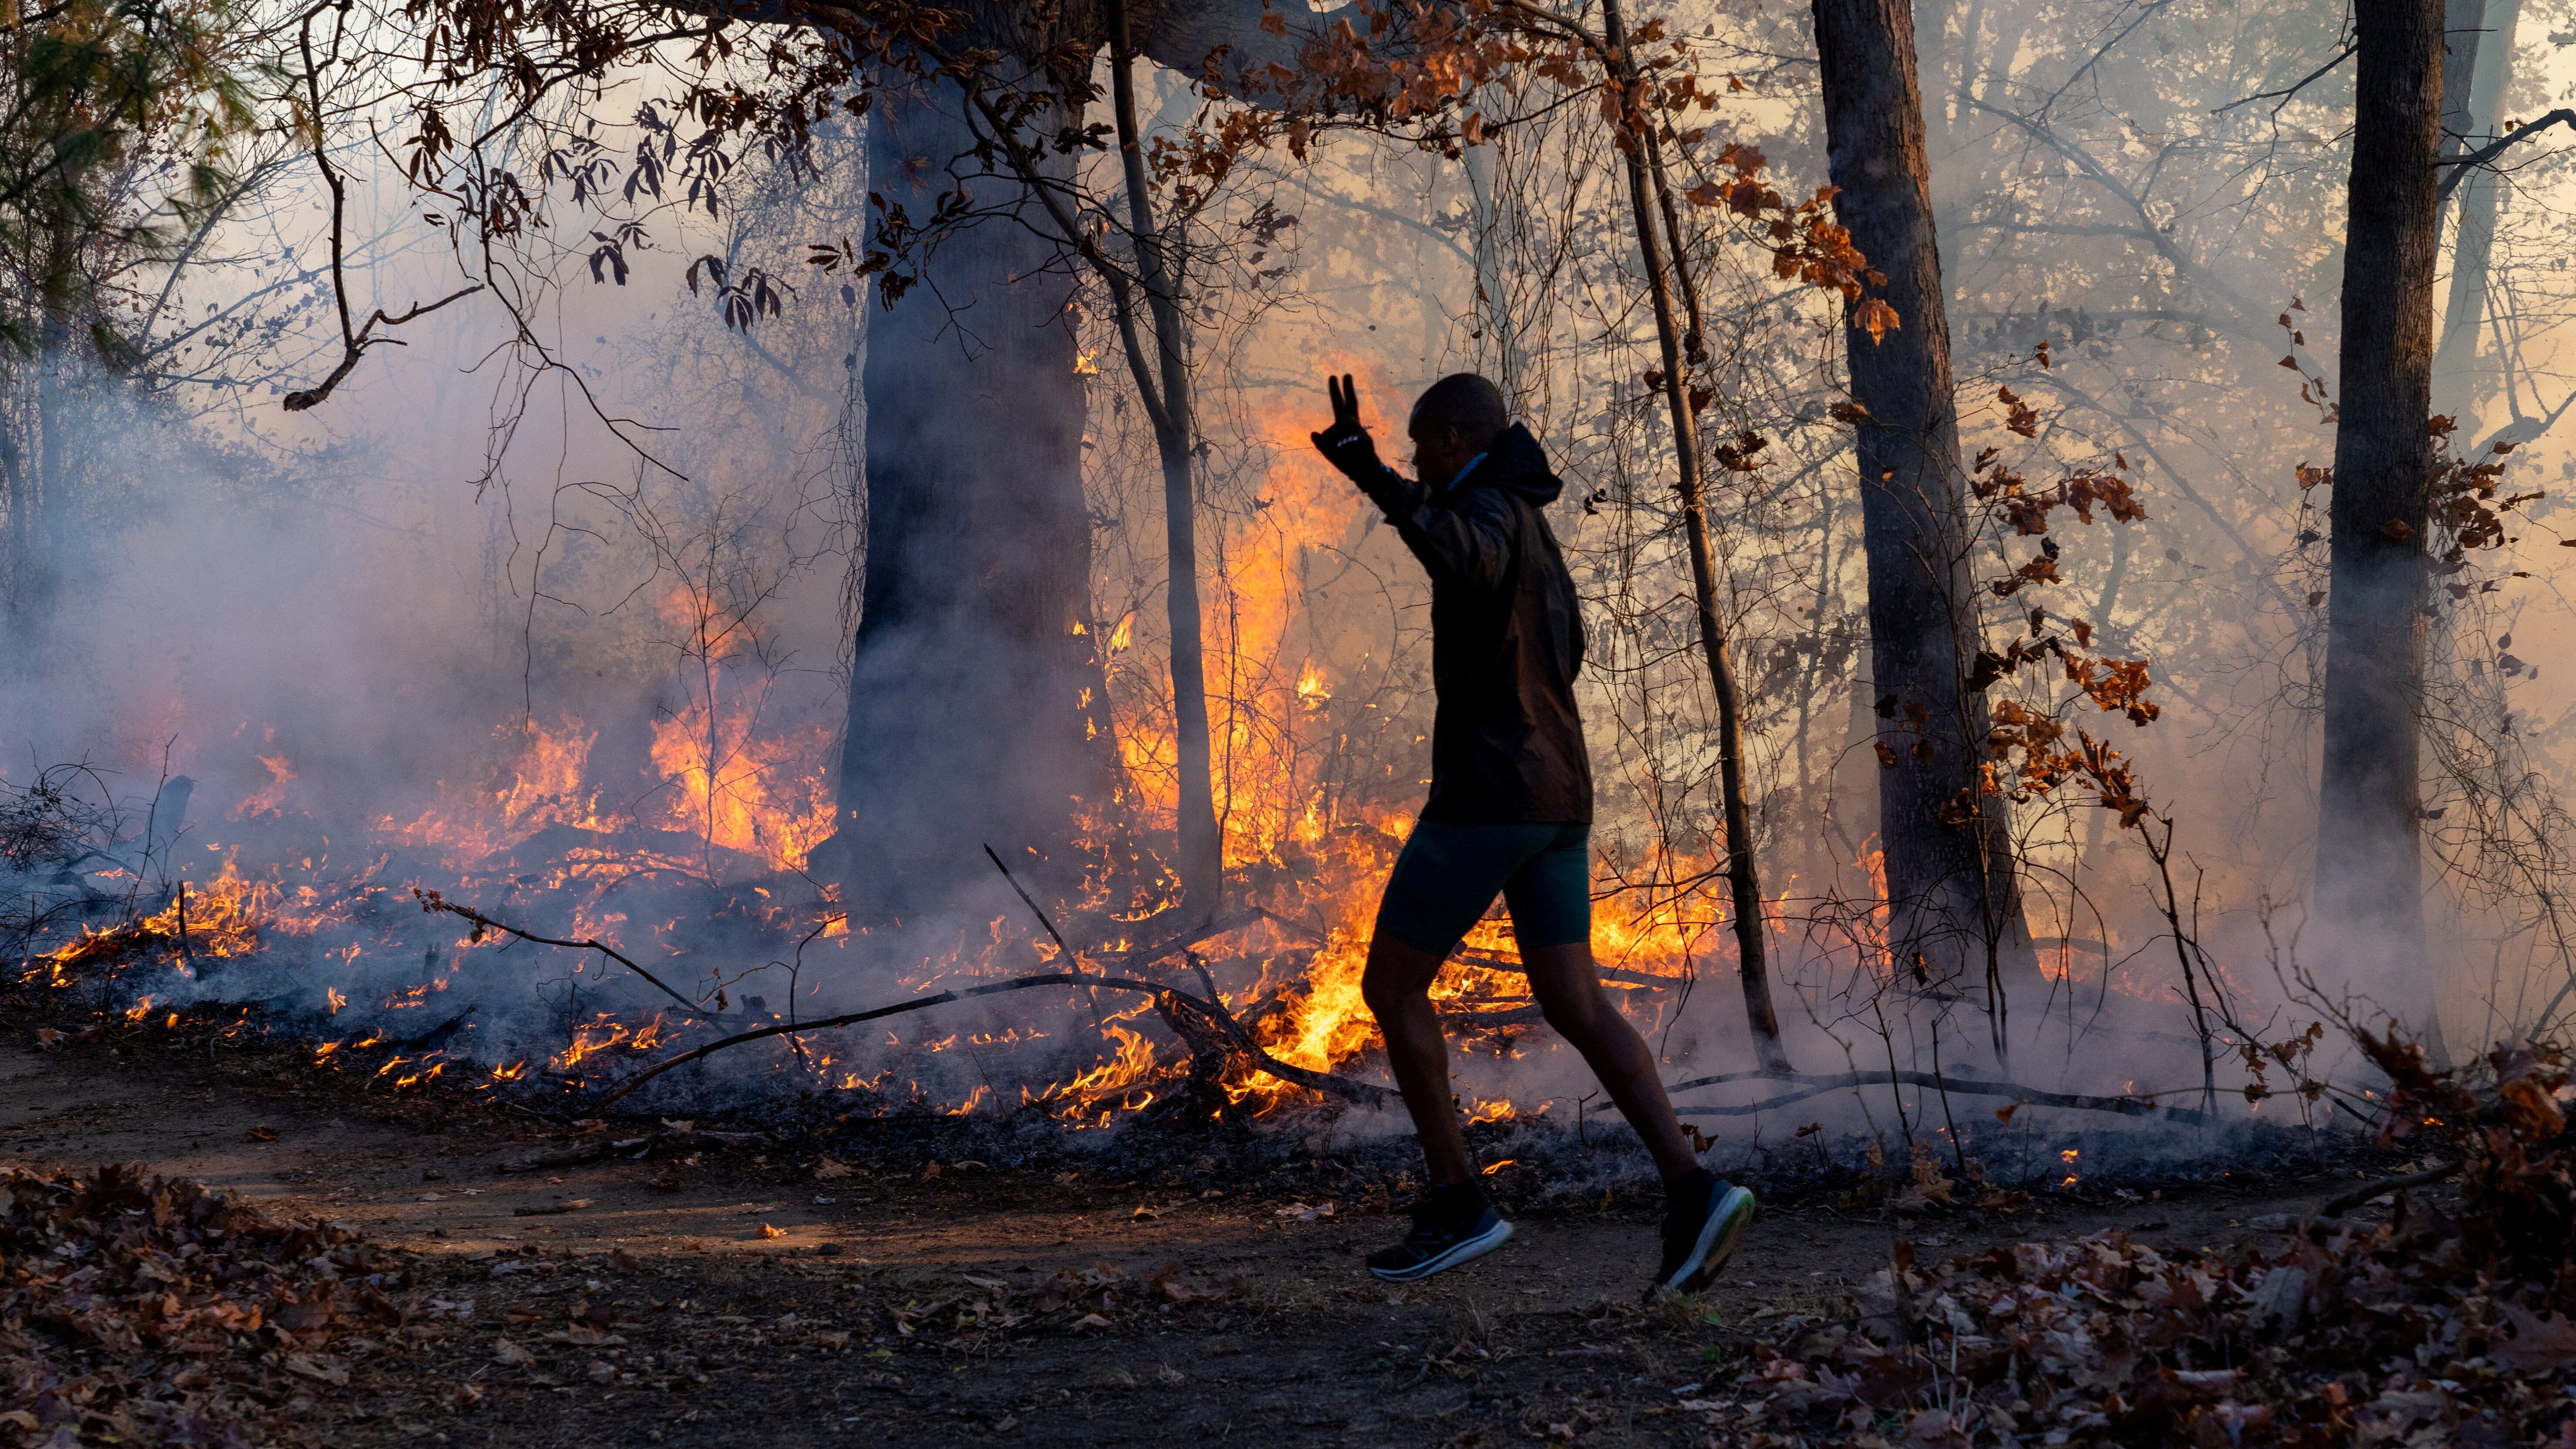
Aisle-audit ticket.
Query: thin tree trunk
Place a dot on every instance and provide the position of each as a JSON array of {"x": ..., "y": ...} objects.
[
  {"x": 2369, "y": 845},
  {"x": 1493, "y": 312},
  {"x": 1742, "y": 870},
  {"x": 2474, "y": 75},
  {"x": 1202, "y": 844},
  {"x": 1953, "y": 890}
]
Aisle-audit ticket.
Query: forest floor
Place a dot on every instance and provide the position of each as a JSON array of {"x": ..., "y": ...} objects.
[{"x": 751, "y": 1289}]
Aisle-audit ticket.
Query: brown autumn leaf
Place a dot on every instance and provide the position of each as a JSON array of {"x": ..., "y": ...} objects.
[
  {"x": 2538, "y": 1345},
  {"x": 767, "y": 1231},
  {"x": 263, "y": 1134},
  {"x": 328, "y": 1370},
  {"x": 1878, "y": 318}
]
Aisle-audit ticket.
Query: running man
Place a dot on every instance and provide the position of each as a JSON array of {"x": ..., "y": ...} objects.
[{"x": 1510, "y": 813}]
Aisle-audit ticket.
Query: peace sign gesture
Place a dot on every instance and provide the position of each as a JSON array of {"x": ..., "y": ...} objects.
[
  {"x": 1346, "y": 443},
  {"x": 1346, "y": 401}
]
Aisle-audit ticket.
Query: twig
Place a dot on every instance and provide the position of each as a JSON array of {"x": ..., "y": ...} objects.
[
  {"x": 1496, "y": 961},
  {"x": 1070, "y": 960},
  {"x": 433, "y": 901},
  {"x": 354, "y": 341},
  {"x": 2495, "y": 148},
  {"x": 1222, "y": 925},
  {"x": 1034, "y": 908},
  {"x": 2347, "y": 53}
]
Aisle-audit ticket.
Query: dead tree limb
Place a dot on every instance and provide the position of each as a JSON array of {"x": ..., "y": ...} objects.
[
  {"x": 2133, "y": 1106},
  {"x": 1143, "y": 956},
  {"x": 2334, "y": 1207},
  {"x": 433, "y": 901},
  {"x": 1362, "y": 1092},
  {"x": 2497, "y": 147}
]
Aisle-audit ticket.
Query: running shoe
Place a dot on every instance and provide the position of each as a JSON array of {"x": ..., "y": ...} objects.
[
  {"x": 1704, "y": 1218},
  {"x": 1440, "y": 1241}
]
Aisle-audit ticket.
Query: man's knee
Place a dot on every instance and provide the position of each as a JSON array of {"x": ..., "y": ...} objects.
[
  {"x": 1384, "y": 993},
  {"x": 1396, "y": 975}
]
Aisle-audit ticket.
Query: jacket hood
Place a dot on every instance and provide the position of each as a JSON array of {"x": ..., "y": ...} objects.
[{"x": 1517, "y": 464}]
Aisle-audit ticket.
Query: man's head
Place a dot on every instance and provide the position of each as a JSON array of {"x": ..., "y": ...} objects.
[{"x": 1455, "y": 419}]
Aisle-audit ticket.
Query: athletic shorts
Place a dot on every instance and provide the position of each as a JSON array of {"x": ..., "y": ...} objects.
[{"x": 1450, "y": 873}]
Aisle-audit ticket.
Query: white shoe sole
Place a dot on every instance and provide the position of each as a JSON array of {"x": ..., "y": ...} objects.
[
  {"x": 1728, "y": 1217},
  {"x": 1459, "y": 1252}
]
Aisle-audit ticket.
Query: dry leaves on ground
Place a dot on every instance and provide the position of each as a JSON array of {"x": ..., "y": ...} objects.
[{"x": 163, "y": 1311}]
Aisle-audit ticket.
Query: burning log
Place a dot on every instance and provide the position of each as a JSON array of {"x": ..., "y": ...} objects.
[{"x": 1214, "y": 1052}]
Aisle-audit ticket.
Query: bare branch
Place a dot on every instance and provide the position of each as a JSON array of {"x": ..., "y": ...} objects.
[{"x": 2498, "y": 147}]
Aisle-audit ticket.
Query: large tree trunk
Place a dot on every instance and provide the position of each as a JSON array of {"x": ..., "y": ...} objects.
[
  {"x": 1953, "y": 891},
  {"x": 2369, "y": 850},
  {"x": 977, "y": 713}
]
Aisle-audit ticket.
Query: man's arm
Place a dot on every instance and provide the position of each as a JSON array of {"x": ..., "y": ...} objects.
[{"x": 1467, "y": 537}]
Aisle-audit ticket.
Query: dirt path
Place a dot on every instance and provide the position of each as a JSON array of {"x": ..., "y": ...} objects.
[{"x": 719, "y": 1291}]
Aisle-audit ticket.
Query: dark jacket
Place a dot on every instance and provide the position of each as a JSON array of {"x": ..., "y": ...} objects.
[{"x": 1506, "y": 640}]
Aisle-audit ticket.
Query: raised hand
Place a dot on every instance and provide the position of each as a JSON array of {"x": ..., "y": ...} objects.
[{"x": 1346, "y": 444}]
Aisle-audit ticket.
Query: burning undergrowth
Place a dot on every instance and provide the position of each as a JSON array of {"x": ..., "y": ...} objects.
[{"x": 580, "y": 954}]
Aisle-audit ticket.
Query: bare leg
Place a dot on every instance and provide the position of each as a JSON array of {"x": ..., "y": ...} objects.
[
  {"x": 1568, "y": 988},
  {"x": 1396, "y": 984}
]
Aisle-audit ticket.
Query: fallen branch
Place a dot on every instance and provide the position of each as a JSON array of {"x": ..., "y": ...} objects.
[
  {"x": 2334, "y": 1207},
  {"x": 1223, "y": 925},
  {"x": 1320, "y": 1081},
  {"x": 2132, "y": 1106},
  {"x": 1366, "y": 1093},
  {"x": 433, "y": 901}
]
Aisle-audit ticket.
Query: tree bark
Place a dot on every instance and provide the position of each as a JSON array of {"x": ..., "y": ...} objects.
[
  {"x": 2369, "y": 845},
  {"x": 977, "y": 714},
  {"x": 1953, "y": 891}
]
